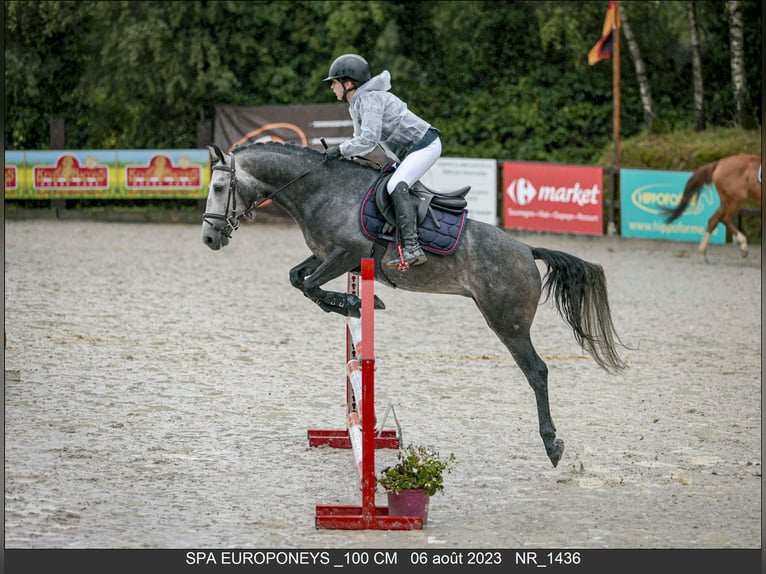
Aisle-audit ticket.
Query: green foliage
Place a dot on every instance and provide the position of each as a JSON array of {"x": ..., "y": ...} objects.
[
  {"x": 500, "y": 79},
  {"x": 683, "y": 150},
  {"x": 419, "y": 467}
]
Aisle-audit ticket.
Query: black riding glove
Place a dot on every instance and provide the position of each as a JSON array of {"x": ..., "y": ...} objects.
[{"x": 333, "y": 152}]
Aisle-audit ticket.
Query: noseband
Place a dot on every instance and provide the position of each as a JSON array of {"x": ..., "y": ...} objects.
[{"x": 230, "y": 222}]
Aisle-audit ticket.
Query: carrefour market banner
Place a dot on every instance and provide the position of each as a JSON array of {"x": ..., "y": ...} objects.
[
  {"x": 558, "y": 198},
  {"x": 645, "y": 193},
  {"x": 107, "y": 174}
]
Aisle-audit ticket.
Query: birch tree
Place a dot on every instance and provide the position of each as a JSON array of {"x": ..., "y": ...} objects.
[
  {"x": 638, "y": 62},
  {"x": 699, "y": 108},
  {"x": 739, "y": 84}
]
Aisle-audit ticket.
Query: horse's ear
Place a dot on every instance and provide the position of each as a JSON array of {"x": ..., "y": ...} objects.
[
  {"x": 215, "y": 153},
  {"x": 211, "y": 154}
]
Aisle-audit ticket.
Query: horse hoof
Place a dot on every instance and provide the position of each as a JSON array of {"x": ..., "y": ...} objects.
[
  {"x": 353, "y": 305},
  {"x": 354, "y": 313},
  {"x": 556, "y": 451}
]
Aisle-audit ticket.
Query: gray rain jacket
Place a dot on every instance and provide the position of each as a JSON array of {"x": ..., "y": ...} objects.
[{"x": 382, "y": 118}]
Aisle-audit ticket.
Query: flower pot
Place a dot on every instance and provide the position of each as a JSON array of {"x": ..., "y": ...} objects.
[{"x": 409, "y": 502}]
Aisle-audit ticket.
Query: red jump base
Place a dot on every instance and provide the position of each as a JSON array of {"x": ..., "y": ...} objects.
[
  {"x": 341, "y": 439},
  {"x": 341, "y": 517}
]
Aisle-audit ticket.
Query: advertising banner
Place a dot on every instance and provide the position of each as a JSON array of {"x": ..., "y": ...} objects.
[
  {"x": 449, "y": 174},
  {"x": 645, "y": 193},
  {"x": 107, "y": 174},
  {"x": 305, "y": 125},
  {"x": 14, "y": 162},
  {"x": 557, "y": 198}
]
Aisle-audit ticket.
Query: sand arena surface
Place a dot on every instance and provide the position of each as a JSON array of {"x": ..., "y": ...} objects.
[{"x": 158, "y": 395}]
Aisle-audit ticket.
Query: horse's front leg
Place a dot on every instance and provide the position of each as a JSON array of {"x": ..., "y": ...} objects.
[
  {"x": 299, "y": 273},
  {"x": 298, "y": 276},
  {"x": 328, "y": 303},
  {"x": 338, "y": 262}
]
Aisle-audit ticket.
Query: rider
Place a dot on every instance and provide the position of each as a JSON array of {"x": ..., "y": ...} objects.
[{"x": 381, "y": 118}]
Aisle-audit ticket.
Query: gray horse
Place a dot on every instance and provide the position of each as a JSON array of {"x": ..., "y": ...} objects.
[{"x": 495, "y": 270}]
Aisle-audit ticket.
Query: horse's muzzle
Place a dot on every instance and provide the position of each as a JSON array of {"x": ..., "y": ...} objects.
[{"x": 213, "y": 237}]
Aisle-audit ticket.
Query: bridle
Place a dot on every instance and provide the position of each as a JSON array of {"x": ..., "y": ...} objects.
[{"x": 230, "y": 222}]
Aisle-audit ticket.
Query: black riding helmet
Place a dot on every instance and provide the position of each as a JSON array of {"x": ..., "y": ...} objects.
[{"x": 349, "y": 66}]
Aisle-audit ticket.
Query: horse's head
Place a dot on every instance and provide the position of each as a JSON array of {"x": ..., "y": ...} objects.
[{"x": 221, "y": 217}]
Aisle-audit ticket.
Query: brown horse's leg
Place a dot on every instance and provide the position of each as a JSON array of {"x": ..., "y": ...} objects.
[
  {"x": 733, "y": 178},
  {"x": 728, "y": 220},
  {"x": 711, "y": 223},
  {"x": 742, "y": 241},
  {"x": 739, "y": 237}
]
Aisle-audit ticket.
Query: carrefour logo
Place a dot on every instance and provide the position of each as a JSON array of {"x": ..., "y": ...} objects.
[
  {"x": 656, "y": 198},
  {"x": 521, "y": 191}
]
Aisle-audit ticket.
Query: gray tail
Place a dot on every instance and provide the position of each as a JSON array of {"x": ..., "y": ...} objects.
[{"x": 579, "y": 291}]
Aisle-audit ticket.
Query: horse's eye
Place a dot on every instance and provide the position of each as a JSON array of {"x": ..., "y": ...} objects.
[{"x": 218, "y": 187}]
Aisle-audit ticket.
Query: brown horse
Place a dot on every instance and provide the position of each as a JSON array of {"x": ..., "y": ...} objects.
[{"x": 736, "y": 178}]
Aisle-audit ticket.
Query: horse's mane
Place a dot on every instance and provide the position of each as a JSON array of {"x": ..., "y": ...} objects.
[{"x": 293, "y": 149}]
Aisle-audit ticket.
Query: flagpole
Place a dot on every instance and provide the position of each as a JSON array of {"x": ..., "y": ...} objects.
[
  {"x": 611, "y": 226},
  {"x": 616, "y": 82}
]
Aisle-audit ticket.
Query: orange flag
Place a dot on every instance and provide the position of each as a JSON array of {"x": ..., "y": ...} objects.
[{"x": 603, "y": 48}]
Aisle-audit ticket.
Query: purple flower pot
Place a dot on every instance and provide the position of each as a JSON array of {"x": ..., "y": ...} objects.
[{"x": 409, "y": 503}]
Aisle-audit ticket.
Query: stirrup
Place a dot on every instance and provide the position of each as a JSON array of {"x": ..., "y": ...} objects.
[{"x": 402, "y": 264}]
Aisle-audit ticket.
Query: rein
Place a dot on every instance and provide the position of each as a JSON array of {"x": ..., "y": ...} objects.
[{"x": 232, "y": 221}]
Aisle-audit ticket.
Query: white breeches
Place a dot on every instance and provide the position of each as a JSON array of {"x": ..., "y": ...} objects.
[{"x": 415, "y": 165}]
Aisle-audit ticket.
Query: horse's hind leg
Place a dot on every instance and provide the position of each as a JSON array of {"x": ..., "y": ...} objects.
[
  {"x": 536, "y": 372},
  {"x": 711, "y": 223},
  {"x": 509, "y": 308}
]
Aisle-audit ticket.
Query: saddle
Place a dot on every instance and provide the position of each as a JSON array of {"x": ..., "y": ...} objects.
[
  {"x": 441, "y": 216},
  {"x": 424, "y": 198}
]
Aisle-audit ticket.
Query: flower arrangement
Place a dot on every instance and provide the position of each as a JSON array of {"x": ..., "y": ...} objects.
[{"x": 419, "y": 468}]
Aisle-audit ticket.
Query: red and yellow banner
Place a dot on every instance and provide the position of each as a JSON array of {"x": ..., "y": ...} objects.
[{"x": 107, "y": 174}]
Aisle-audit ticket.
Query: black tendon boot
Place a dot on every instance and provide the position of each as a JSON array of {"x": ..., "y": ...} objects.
[{"x": 405, "y": 220}]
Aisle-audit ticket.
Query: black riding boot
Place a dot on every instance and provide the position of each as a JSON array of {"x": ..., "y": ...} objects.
[{"x": 407, "y": 224}]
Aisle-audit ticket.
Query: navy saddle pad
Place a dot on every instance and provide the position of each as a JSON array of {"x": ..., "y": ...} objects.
[{"x": 439, "y": 232}]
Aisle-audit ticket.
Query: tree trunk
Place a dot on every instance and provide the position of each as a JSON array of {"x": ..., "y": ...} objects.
[
  {"x": 638, "y": 62},
  {"x": 741, "y": 96},
  {"x": 699, "y": 107}
]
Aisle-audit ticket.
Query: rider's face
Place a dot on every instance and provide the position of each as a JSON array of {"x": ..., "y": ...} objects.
[{"x": 337, "y": 89}]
